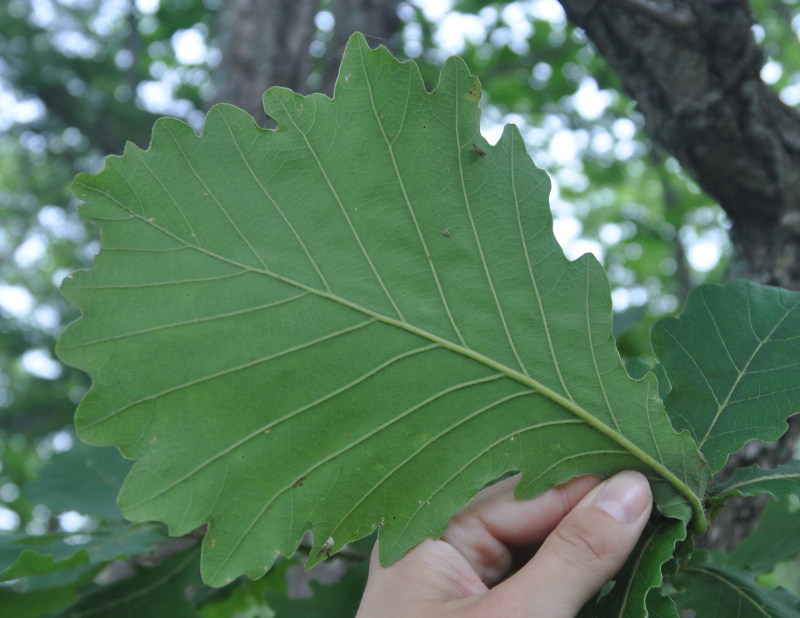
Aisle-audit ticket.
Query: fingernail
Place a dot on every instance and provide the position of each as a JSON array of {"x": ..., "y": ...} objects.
[{"x": 624, "y": 497}]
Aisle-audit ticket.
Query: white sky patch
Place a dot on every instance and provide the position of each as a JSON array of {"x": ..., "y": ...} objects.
[
  {"x": 9, "y": 520},
  {"x": 148, "y": 7},
  {"x": 190, "y": 46},
  {"x": 434, "y": 10},
  {"x": 590, "y": 102},
  {"x": 30, "y": 251},
  {"x": 791, "y": 95},
  {"x": 564, "y": 147},
  {"x": 622, "y": 298},
  {"x": 325, "y": 21},
  {"x": 566, "y": 230},
  {"x": 772, "y": 71},
  {"x": 72, "y": 521},
  {"x": 156, "y": 96},
  {"x": 610, "y": 233},
  {"x": 548, "y": 10},
  {"x": 62, "y": 441},
  {"x": 74, "y": 43},
  {"x": 59, "y": 224},
  {"x": 18, "y": 111},
  {"x": 581, "y": 246},
  {"x": 623, "y": 128},
  {"x": 493, "y": 132},
  {"x": 455, "y": 29},
  {"x": 47, "y": 318},
  {"x": 705, "y": 253},
  {"x": 38, "y": 362},
  {"x": 9, "y": 492},
  {"x": 15, "y": 300}
]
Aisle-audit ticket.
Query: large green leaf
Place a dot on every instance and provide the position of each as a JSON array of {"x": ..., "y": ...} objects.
[
  {"x": 732, "y": 359},
  {"x": 355, "y": 321}
]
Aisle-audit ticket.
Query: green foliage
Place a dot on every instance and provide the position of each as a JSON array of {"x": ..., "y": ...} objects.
[
  {"x": 91, "y": 107},
  {"x": 713, "y": 590},
  {"x": 339, "y": 601},
  {"x": 732, "y": 355},
  {"x": 781, "y": 481},
  {"x": 368, "y": 343},
  {"x": 776, "y": 540},
  {"x": 156, "y": 592},
  {"x": 473, "y": 346},
  {"x": 638, "y": 584}
]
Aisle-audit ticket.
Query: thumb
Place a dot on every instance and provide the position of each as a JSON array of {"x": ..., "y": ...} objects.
[{"x": 584, "y": 551}]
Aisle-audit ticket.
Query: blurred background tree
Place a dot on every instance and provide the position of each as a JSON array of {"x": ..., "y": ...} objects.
[{"x": 711, "y": 105}]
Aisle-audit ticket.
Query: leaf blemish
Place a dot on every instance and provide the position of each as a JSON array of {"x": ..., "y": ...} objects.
[
  {"x": 299, "y": 482},
  {"x": 446, "y": 232},
  {"x": 478, "y": 151}
]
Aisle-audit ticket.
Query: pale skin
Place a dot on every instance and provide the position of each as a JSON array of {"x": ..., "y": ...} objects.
[{"x": 506, "y": 558}]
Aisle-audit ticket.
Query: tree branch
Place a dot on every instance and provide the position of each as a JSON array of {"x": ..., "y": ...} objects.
[
  {"x": 704, "y": 102},
  {"x": 671, "y": 19}
]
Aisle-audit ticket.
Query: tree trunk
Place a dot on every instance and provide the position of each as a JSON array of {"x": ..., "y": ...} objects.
[
  {"x": 377, "y": 20},
  {"x": 264, "y": 43},
  {"x": 693, "y": 67}
]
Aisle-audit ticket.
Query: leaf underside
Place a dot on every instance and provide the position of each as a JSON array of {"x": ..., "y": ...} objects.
[
  {"x": 356, "y": 320},
  {"x": 732, "y": 359}
]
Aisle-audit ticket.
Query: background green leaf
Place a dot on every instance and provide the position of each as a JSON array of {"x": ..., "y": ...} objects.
[
  {"x": 85, "y": 479},
  {"x": 733, "y": 353},
  {"x": 777, "y": 539},
  {"x": 713, "y": 590},
  {"x": 337, "y": 600},
  {"x": 35, "y": 604},
  {"x": 781, "y": 481},
  {"x": 22, "y": 555},
  {"x": 286, "y": 350},
  {"x": 641, "y": 574},
  {"x": 156, "y": 592}
]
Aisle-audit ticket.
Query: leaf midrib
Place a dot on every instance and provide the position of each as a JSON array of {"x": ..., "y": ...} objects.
[{"x": 569, "y": 405}]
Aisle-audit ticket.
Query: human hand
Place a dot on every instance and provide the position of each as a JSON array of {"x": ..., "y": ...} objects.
[{"x": 584, "y": 531}]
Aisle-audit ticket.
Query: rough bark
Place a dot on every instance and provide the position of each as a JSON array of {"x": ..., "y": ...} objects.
[
  {"x": 264, "y": 43},
  {"x": 376, "y": 19},
  {"x": 693, "y": 68}
]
